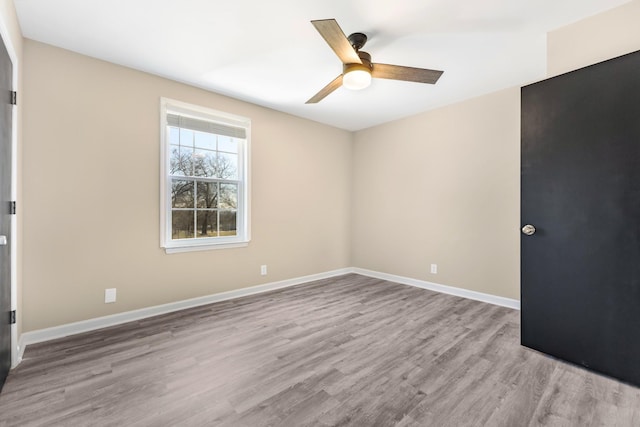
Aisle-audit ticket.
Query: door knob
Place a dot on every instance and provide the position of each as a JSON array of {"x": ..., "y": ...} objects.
[{"x": 528, "y": 229}]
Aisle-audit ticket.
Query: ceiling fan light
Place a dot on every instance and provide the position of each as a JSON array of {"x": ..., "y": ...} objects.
[{"x": 356, "y": 77}]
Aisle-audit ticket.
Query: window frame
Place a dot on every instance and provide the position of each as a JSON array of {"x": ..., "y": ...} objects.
[{"x": 243, "y": 211}]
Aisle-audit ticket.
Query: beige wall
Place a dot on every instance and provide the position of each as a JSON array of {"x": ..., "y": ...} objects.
[
  {"x": 442, "y": 187},
  {"x": 91, "y": 193},
  {"x": 595, "y": 39}
]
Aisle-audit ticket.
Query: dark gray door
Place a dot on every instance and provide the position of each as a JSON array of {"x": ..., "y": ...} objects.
[
  {"x": 5, "y": 218},
  {"x": 581, "y": 190}
]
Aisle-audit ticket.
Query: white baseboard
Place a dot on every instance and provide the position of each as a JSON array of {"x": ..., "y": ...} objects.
[
  {"x": 464, "y": 293},
  {"x": 61, "y": 331}
]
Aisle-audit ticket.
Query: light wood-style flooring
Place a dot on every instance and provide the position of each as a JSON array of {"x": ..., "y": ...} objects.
[{"x": 346, "y": 351}]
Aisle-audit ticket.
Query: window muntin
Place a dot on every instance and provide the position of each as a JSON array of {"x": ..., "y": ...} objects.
[{"x": 205, "y": 177}]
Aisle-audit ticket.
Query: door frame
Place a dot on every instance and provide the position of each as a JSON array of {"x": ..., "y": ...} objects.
[{"x": 8, "y": 42}]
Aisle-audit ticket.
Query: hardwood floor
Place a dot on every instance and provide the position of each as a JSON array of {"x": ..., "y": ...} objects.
[{"x": 347, "y": 351}]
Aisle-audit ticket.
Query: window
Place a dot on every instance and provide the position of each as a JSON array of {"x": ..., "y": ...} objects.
[{"x": 204, "y": 199}]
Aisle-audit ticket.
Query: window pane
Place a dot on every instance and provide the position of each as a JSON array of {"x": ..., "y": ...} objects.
[
  {"x": 181, "y": 193},
  {"x": 228, "y": 196},
  {"x": 174, "y": 135},
  {"x": 227, "y": 143},
  {"x": 227, "y": 166},
  {"x": 228, "y": 226},
  {"x": 204, "y": 171},
  {"x": 182, "y": 224},
  {"x": 204, "y": 163},
  {"x": 205, "y": 140},
  {"x": 186, "y": 137},
  {"x": 207, "y": 195},
  {"x": 181, "y": 161},
  {"x": 207, "y": 224}
]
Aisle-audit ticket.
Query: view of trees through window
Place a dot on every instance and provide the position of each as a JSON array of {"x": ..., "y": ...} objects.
[{"x": 204, "y": 184}]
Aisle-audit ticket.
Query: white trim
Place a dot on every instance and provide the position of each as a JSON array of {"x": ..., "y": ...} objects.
[
  {"x": 194, "y": 248},
  {"x": 128, "y": 316},
  {"x": 8, "y": 43},
  {"x": 163, "y": 172},
  {"x": 464, "y": 293}
]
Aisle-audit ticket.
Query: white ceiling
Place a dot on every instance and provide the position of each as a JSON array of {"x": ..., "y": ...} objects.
[{"x": 268, "y": 53}]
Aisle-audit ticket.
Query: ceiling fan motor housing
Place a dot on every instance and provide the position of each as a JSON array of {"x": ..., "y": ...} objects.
[{"x": 366, "y": 63}]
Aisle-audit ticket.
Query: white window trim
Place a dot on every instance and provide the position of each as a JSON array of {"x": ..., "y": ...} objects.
[{"x": 244, "y": 215}]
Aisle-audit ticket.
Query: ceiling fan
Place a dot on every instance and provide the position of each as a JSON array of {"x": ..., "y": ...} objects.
[{"x": 357, "y": 69}]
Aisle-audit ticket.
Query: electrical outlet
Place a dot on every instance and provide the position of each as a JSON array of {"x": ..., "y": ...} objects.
[
  {"x": 109, "y": 295},
  {"x": 263, "y": 270},
  {"x": 434, "y": 268}
]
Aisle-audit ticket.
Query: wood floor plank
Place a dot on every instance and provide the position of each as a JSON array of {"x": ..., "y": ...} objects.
[{"x": 346, "y": 351}]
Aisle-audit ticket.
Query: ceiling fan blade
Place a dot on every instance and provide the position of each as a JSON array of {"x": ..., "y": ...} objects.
[
  {"x": 335, "y": 84},
  {"x": 333, "y": 35},
  {"x": 410, "y": 74}
]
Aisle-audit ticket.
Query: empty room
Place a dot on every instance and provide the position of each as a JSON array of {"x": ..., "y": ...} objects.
[{"x": 338, "y": 213}]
